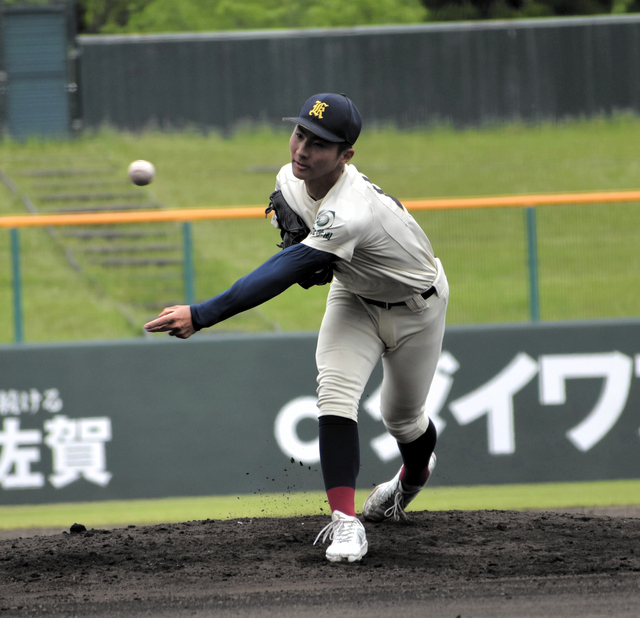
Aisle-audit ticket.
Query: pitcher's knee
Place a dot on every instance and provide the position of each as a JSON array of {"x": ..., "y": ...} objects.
[
  {"x": 409, "y": 429},
  {"x": 338, "y": 395}
]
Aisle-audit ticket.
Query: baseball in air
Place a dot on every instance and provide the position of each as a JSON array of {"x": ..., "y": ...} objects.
[{"x": 141, "y": 172}]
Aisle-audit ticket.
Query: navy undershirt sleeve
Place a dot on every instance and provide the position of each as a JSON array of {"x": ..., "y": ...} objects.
[{"x": 278, "y": 273}]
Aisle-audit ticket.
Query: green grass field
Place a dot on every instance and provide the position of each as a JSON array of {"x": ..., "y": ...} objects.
[
  {"x": 139, "y": 512},
  {"x": 481, "y": 249}
]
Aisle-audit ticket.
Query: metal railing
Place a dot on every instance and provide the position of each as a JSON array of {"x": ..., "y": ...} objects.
[{"x": 528, "y": 202}]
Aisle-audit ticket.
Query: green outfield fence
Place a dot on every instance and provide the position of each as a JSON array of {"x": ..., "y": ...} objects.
[{"x": 508, "y": 258}]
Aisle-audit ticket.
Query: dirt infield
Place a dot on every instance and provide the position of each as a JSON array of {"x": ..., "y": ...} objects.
[{"x": 442, "y": 564}]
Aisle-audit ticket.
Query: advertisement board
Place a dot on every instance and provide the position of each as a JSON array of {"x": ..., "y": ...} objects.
[{"x": 236, "y": 414}]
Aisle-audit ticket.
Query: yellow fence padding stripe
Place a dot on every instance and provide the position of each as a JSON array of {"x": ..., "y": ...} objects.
[{"x": 253, "y": 212}]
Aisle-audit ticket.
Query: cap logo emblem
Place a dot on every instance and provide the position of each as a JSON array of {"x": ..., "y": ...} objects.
[{"x": 318, "y": 109}]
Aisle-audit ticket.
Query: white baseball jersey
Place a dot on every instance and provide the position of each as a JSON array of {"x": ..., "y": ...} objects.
[{"x": 384, "y": 254}]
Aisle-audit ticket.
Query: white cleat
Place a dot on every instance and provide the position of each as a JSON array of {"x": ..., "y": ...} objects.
[
  {"x": 389, "y": 500},
  {"x": 349, "y": 540}
]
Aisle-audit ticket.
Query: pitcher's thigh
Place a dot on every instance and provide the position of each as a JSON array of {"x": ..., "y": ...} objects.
[
  {"x": 408, "y": 372},
  {"x": 348, "y": 350}
]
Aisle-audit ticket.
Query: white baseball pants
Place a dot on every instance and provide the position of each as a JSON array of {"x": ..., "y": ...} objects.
[{"x": 355, "y": 334}]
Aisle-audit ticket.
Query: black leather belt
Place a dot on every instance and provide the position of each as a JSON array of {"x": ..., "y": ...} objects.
[{"x": 378, "y": 303}]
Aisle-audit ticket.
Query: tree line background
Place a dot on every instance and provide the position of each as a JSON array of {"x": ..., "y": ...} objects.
[
  {"x": 155, "y": 16},
  {"x": 158, "y": 16}
]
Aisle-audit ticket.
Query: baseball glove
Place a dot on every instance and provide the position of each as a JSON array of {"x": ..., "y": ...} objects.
[{"x": 293, "y": 230}]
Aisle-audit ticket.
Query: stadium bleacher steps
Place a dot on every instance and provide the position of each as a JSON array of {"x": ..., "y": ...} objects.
[{"x": 139, "y": 265}]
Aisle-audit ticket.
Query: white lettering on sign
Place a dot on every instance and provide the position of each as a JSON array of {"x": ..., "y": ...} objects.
[
  {"x": 78, "y": 449},
  {"x": 77, "y": 445},
  {"x": 17, "y": 455},
  {"x": 14, "y": 401},
  {"x": 495, "y": 400},
  {"x": 286, "y": 430},
  {"x": 617, "y": 371}
]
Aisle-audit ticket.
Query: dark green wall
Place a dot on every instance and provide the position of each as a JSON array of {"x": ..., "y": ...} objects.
[
  {"x": 145, "y": 419},
  {"x": 462, "y": 73}
]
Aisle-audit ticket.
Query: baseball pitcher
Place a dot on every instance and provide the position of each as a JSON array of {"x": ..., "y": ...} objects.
[{"x": 387, "y": 299}]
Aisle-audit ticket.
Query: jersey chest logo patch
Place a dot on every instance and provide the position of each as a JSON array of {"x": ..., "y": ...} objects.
[{"x": 324, "y": 220}]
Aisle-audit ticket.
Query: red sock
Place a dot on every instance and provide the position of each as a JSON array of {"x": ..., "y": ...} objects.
[
  {"x": 342, "y": 499},
  {"x": 410, "y": 481}
]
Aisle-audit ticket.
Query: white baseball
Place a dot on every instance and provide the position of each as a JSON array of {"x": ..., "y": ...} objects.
[{"x": 141, "y": 172}]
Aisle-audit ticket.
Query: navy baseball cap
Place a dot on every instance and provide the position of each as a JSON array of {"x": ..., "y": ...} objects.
[{"x": 333, "y": 117}]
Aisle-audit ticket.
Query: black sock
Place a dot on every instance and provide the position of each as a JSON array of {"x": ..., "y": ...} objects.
[
  {"x": 339, "y": 451},
  {"x": 415, "y": 457}
]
